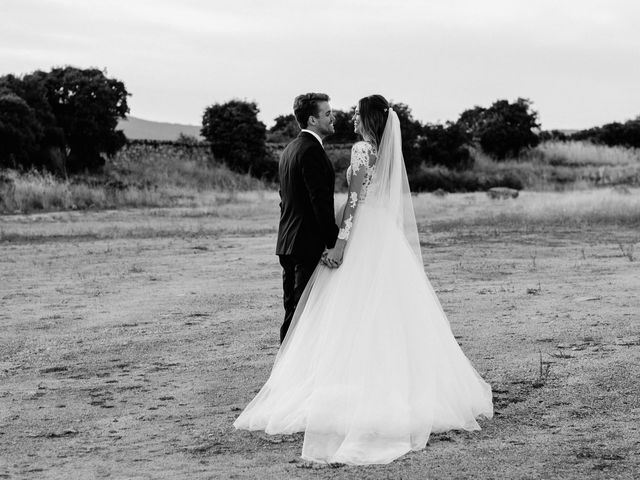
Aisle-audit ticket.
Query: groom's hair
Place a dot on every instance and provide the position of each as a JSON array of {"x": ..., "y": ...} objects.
[{"x": 306, "y": 105}]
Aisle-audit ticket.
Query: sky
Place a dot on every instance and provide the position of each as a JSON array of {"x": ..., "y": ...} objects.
[{"x": 578, "y": 61}]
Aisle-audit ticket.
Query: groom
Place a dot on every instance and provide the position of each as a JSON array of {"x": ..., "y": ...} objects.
[{"x": 307, "y": 220}]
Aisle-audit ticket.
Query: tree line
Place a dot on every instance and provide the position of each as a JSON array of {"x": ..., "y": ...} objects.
[
  {"x": 502, "y": 130},
  {"x": 65, "y": 121}
]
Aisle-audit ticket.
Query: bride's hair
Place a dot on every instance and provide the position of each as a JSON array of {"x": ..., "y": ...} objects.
[{"x": 374, "y": 111}]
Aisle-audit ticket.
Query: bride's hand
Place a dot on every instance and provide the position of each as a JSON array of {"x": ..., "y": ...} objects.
[{"x": 332, "y": 257}]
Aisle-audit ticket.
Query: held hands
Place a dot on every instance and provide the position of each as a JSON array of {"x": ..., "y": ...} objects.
[{"x": 332, "y": 257}]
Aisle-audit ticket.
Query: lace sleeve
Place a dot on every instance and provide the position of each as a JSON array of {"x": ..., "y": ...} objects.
[{"x": 363, "y": 158}]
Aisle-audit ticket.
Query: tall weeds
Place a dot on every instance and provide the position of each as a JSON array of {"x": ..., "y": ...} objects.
[
  {"x": 567, "y": 166},
  {"x": 584, "y": 153},
  {"x": 139, "y": 175}
]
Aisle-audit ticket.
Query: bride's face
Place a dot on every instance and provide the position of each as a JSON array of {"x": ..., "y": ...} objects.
[{"x": 357, "y": 124}]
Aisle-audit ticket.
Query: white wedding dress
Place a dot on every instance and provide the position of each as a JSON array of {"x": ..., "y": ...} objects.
[{"x": 370, "y": 367}]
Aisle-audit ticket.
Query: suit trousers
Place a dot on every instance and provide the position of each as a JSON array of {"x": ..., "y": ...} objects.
[{"x": 296, "y": 272}]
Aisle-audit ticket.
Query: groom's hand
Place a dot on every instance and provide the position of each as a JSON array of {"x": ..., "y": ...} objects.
[
  {"x": 332, "y": 257},
  {"x": 325, "y": 259}
]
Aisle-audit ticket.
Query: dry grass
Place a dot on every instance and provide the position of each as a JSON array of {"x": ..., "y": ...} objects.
[
  {"x": 177, "y": 166},
  {"x": 222, "y": 213},
  {"x": 139, "y": 176},
  {"x": 566, "y": 166},
  {"x": 585, "y": 153},
  {"x": 171, "y": 175},
  {"x": 36, "y": 191},
  {"x": 580, "y": 207}
]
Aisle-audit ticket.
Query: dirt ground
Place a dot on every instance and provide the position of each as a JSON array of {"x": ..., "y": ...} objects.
[{"x": 130, "y": 340}]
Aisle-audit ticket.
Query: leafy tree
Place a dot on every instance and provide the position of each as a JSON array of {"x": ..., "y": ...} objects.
[
  {"x": 411, "y": 131},
  {"x": 87, "y": 106},
  {"x": 20, "y": 131},
  {"x": 472, "y": 122},
  {"x": 625, "y": 134},
  {"x": 445, "y": 145},
  {"x": 504, "y": 129},
  {"x": 343, "y": 126},
  {"x": 238, "y": 138},
  {"x": 46, "y": 151},
  {"x": 285, "y": 129},
  {"x": 77, "y": 112}
]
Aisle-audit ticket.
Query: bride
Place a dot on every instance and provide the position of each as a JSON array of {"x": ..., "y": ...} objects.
[{"x": 369, "y": 367}]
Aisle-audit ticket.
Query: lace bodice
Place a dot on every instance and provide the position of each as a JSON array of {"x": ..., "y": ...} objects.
[
  {"x": 359, "y": 176},
  {"x": 361, "y": 158}
]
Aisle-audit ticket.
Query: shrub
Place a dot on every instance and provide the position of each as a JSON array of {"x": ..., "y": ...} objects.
[
  {"x": 188, "y": 140},
  {"x": 435, "y": 178},
  {"x": 613, "y": 134},
  {"x": 556, "y": 135}
]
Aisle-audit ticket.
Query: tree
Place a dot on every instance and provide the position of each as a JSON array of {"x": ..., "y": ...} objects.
[
  {"x": 411, "y": 131},
  {"x": 343, "y": 126},
  {"x": 78, "y": 112},
  {"x": 20, "y": 131},
  {"x": 238, "y": 138},
  {"x": 46, "y": 149},
  {"x": 87, "y": 106},
  {"x": 625, "y": 134},
  {"x": 285, "y": 129},
  {"x": 472, "y": 121},
  {"x": 445, "y": 145},
  {"x": 504, "y": 129}
]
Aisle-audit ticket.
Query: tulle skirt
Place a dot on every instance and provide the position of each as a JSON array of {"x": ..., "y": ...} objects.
[{"x": 369, "y": 367}]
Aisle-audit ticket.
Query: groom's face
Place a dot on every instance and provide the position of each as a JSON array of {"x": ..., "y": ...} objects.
[{"x": 324, "y": 120}]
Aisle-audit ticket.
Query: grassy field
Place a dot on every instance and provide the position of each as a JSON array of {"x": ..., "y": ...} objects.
[
  {"x": 132, "y": 338},
  {"x": 169, "y": 175}
]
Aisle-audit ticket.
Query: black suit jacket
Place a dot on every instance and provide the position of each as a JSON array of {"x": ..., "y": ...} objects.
[{"x": 307, "y": 218}]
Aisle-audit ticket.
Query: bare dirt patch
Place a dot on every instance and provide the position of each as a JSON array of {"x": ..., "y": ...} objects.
[{"x": 132, "y": 339}]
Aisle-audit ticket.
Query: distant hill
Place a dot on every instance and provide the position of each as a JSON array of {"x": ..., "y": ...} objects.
[{"x": 139, "y": 129}]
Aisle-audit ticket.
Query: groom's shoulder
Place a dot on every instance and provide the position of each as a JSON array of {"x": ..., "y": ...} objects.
[
  {"x": 301, "y": 143},
  {"x": 304, "y": 138}
]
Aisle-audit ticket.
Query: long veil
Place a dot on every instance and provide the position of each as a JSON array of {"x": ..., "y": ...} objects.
[
  {"x": 389, "y": 190},
  {"x": 369, "y": 366}
]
